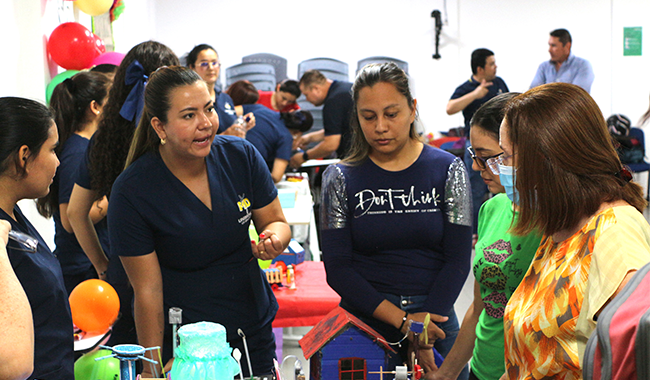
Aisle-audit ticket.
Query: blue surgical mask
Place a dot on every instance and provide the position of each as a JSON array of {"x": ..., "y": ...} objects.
[{"x": 507, "y": 177}]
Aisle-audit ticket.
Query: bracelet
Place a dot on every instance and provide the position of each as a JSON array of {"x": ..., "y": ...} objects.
[
  {"x": 305, "y": 156},
  {"x": 403, "y": 321},
  {"x": 104, "y": 272}
]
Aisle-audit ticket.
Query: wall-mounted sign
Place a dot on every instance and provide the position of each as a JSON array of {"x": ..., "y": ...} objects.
[{"x": 632, "y": 40}]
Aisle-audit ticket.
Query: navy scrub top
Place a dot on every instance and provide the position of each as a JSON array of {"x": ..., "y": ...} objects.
[
  {"x": 225, "y": 108},
  {"x": 270, "y": 136},
  {"x": 205, "y": 256},
  {"x": 71, "y": 256},
  {"x": 40, "y": 275}
]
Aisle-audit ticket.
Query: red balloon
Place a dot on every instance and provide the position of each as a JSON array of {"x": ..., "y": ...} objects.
[
  {"x": 94, "y": 305},
  {"x": 74, "y": 47}
]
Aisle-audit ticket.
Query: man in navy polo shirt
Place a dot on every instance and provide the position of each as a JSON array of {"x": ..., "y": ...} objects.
[
  {"x": 483, "y": 85},
  {"x": 336, "y": 98}
]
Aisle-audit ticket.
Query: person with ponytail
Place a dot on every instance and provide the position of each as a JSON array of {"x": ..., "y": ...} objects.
[
  {"x": 77, "y": 104},
  {"x": 105, "y": 160},
  {"x": 179, "y": 217},
  {"x": 561, "y": 166}
]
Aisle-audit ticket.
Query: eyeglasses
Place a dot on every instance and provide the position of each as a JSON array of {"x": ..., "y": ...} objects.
[
  {"x": 500, "y": 160},
  {"x": 485, "y": 162},
  {"x": 27, "y": 243},
  {"x": 205, "y": 65}
]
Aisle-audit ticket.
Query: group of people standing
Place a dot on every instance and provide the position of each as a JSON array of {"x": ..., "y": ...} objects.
[{"x": 168, "y": 178}]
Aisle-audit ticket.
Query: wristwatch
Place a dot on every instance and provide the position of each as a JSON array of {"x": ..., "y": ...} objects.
[{"x": 305, "y": 156}]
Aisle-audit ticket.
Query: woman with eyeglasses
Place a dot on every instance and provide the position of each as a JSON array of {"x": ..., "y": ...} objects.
[
  {"x": 396, "y": 221},
  {"x": 500, "y": 261},
  {"x": 204, "y": 60},
  {"x": 569, "y": 184},
  {"x": 28, "y": 138}
]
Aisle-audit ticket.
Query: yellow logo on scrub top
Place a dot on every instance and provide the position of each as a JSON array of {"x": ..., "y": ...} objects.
[{"x": 244, "y": 204}]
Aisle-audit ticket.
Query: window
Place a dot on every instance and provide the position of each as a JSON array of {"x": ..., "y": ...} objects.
[{"x": 352, "y": 369}]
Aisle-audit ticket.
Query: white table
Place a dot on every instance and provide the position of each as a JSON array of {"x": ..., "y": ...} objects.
[{"x": 302, "y": 213}]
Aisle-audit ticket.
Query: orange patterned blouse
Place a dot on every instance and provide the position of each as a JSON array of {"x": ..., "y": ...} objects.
[{"x": 550, "y": 316}]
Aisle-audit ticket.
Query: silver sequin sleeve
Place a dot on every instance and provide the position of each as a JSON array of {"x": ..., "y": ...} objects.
[
  {"x": 334, "y": 203},
  {"x": 458, "y": 198}
]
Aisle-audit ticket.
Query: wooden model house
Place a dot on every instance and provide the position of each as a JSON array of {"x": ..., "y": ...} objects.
[{"x": 342, "y": 347}]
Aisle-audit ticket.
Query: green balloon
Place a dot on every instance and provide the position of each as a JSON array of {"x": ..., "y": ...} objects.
[
  {"x": 55, "y": 81},
  {"x": 86, "y": 368}
]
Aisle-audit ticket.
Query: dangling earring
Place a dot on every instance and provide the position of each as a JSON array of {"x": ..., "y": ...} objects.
[{"x": 163, "y": 141}]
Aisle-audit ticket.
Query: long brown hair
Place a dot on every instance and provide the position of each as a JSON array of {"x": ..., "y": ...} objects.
[
  {"x": 566, "y": 163},
  {"x": 369, "y": 76}
]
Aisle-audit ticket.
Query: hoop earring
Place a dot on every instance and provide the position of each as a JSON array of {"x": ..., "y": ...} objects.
[{"x": 163, "y": 141}]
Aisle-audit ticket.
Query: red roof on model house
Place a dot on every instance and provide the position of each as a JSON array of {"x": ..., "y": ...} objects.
[{"x": 333, "y": 325}]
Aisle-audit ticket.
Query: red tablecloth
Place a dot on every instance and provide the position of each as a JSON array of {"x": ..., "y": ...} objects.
[{"x": 309, "y": 302}]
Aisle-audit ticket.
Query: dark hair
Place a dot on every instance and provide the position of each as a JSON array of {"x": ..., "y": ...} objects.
[
  {"x": 490, "y": 115},
  {"x": 291, "y": 86},
  {"x": 369, "y": 76},
  {"x": 479, "y": 58},
  {"x": 194, "y": 54},
  {"x": 71, "y": 99},
  {"x": 105, "y": 68},
  {"x": 300, "y": 120},
  {"x": 69, "y": 103},
  {"x": 563, "y": 35},
  {"x": 243, "y": 92},
  {"x": 157, "y": 103},
  {"x": 312, "y": 77},
  {"x": 566, "y": 163},
  {"x": 113, "y": 137},
  {"x": 22, "y": 122}
]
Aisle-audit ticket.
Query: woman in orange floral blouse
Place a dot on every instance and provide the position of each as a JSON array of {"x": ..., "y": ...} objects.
[{"x": 570, "y": 185}]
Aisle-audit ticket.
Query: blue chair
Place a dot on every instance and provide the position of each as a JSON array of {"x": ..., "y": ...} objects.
[{"x": 640, "y": 167}]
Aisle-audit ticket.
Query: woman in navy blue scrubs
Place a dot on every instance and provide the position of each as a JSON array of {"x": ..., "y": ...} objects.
[
  {"x": 28, "y": 137},
  {"x": 205, "y": 61},
  {"x": 179, "y": 217}
]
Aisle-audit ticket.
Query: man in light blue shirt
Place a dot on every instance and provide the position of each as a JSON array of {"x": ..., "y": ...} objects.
[{"x": 563, "y": 66}]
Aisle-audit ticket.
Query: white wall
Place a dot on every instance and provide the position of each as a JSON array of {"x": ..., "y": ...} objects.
[
  {"x": 351, "y": 30},
  {"x": 517, "y": 31}
]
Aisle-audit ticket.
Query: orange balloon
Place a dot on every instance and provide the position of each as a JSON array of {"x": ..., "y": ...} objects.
[{"x": 94, "y": 305}]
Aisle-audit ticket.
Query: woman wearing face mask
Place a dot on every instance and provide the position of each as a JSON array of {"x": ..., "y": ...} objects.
[
  {"x": 500, "y": 262},
  {"x": 571, "y": 186}
]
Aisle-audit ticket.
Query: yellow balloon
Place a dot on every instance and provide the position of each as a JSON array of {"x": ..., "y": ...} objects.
[{"x": 94, "y": 7}]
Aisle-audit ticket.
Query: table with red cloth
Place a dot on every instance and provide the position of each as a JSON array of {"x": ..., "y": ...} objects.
[{"x": 310, "y": 301}]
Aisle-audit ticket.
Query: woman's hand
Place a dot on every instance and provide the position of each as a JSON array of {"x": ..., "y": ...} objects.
[
  {"x": 250, "y": 121},
  {"x": 269, "y": 246},
  {"x": 426, "y": 358},
  {"x": 235, "y": 130},
  {"x": 433, "y": 331}
]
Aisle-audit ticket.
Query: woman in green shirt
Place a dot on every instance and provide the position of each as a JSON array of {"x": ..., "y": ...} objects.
[{"x": 500, "y": 262}]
